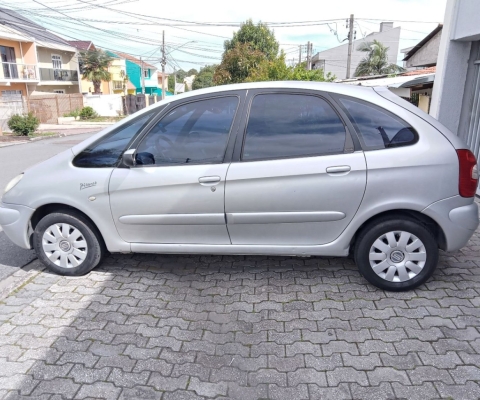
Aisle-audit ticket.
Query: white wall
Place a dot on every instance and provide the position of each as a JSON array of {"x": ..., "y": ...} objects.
[
  {"x": 467, "y": 24},
  {"x": 453, "y": 62},
  {"x": 106, "y": 105}
]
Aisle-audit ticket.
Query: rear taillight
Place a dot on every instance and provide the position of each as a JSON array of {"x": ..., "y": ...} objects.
[{"x": 468, "y": 176}]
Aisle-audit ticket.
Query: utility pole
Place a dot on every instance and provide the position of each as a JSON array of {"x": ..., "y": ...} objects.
[
  {"x": 299, "y": 54},
  {"x": 164, "y": 62},
  {"x": 309, "y": 60},
  {"x": 174, "y": 80},
  {"x": 143, "y": 77},
  {"x": 350, "y": 45}
]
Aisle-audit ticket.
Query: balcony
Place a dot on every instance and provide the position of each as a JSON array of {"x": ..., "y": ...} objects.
[
  {"x": 62, "y": 75},
  {"x": 18, "y": 72}
]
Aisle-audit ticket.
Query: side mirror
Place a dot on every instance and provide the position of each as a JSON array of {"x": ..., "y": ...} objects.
[{"x": 128, "y": 158}]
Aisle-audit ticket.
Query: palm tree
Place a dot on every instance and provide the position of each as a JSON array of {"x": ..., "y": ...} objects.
[
  {"x": 376, "y": 61},
  {"x": 94, "y": 67}
]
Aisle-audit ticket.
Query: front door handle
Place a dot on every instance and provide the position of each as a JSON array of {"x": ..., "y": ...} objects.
[
  {"x": 209, "y": 180},
  {"x": 338, "y": 169}
]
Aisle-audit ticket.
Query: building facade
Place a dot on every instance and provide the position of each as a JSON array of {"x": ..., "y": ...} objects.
[
  {"x": 33, "y": 59},
  {"x": 334, "y": 60},
  {"x": 456, "y": 93},
  {"x": 19, "y": 71},
  {"x": 142, "y": 75}
]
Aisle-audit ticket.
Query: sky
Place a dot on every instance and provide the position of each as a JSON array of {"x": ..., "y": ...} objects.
[{"x": 195, "y": 30}]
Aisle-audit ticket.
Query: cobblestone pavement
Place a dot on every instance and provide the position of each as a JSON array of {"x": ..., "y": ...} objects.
[{"x": 192, "y": 327}]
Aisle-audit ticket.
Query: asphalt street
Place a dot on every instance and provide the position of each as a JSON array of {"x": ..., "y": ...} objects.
[{"x": 13, "y": 161}]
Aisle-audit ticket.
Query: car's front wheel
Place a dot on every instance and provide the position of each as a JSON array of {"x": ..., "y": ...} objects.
[
  {"x": 396, "y": 254},
  {"x": 68, "y": 243}
]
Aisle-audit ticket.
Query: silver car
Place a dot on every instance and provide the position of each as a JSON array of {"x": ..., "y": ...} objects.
[{"x": 284, "y": 168}]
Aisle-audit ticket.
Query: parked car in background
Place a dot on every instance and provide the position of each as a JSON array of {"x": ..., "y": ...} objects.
[{"x": 283, "y": 168}]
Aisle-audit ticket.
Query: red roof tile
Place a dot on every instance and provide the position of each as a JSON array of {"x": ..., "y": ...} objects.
[
  {"x": 134, "y": 60},
  {"x": 429, "y": 70},
  {"x": 82, "y": 44}
]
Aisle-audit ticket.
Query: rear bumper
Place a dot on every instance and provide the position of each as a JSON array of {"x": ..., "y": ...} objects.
[
  {"x": 458, "y": 219},
  {"x": 15, "y": 222}
]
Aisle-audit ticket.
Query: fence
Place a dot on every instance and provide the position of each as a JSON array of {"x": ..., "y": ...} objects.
[
  {"x": 10, "y": 105},
  {"x": 48, "y": 107},
  {"x": 133, "y": 103}
]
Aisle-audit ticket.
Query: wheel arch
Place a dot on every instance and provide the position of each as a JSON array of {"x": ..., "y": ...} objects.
[
  {"x": 50, "y": 208},
  {"x": 425, "y": 220}
]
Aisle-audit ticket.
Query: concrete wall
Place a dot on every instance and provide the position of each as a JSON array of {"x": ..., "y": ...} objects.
[
  {"x": 427, "y": 55},
  {"x": 336, "y": 58},
  {"x": 453, "y": 62},
  {"x": 105, "y": 105}
]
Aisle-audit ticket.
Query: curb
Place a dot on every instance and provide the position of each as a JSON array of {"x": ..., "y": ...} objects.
[{"x": 36, "y": 139}]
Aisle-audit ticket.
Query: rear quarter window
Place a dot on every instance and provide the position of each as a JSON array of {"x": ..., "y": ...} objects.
[{"x": 376, "y": 127}]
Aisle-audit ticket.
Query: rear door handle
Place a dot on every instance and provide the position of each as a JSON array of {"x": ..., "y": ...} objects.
[
  {"x": 209, "y": 180},
  {"x": 338, "y": 169}
]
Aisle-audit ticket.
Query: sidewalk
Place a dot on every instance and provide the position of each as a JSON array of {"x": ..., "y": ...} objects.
[{"x": 76, "y": 128}]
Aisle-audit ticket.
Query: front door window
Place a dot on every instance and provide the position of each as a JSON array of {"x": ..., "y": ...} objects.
[{"x": 193, "y": 133}]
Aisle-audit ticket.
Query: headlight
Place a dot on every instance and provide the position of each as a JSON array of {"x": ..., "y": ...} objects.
[{"x": 13, "y": 183}]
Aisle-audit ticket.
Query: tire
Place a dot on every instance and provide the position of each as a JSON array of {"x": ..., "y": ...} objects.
[
  {"x": 387, "y": 262},
  {"x": 71, "y": 254}
]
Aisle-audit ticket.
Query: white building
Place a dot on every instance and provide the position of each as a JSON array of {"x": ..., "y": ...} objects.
[
  {"x": 335, "y": 60},
  {"x": 456, "y": 93}
]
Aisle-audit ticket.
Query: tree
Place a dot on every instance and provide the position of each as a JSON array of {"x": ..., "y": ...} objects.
[
  {"x": 94, "y": 67},
  {"x": 192, "y": 71},
  {"x": 204, "y": 78},
  {"x": 277, "y": 70},
  {"x": 237, "y": 63},
  {"x": 376, "y": 60},
  {"x": 259, "y": 37}
]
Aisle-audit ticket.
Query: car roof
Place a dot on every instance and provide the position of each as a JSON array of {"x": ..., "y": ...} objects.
[{"x": 321, "y": 86}]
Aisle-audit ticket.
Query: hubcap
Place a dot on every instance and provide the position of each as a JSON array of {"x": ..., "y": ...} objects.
[
  {"x": 397, "y": 256},
  {"x": 64, "y": 245}
]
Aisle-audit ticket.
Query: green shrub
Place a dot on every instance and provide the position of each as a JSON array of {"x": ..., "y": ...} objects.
[
  {"x": 75, "y": 113},
  {"x": 23, "y": 125},
  {"x": 88, "y": 113}
]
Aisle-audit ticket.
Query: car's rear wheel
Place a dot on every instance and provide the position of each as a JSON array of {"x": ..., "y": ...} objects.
[
  {"x": 396, "y": 254},
  {"x": 68, "y": 243}
]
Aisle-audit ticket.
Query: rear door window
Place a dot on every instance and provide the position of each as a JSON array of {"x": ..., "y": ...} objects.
[
  {"x": 292, "y": 125},
  {"x": 377, "y": 128}
]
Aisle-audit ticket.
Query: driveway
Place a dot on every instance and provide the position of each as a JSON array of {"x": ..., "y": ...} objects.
[
  {"x": 202, "y": 327},
  {"x": 197, "y": 327}
]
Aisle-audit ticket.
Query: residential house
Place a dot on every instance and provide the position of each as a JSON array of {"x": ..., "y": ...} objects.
[
  {"x": 413, "y": 86},
  {"x": 334, "y": 60},
  {"x": 456, "y": 94},
  {"x": 119, "y": 81},
  {"x": 160, "y": 78},
  {"x": 19, "y": 72},
  {"x": 46, "y": 62},
  {"x": 425, "y": 53},
  {"x": 142, "y": 75},
  {"x": 86, "y": 45}
]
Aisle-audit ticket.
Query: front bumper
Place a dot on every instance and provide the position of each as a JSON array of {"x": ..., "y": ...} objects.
[
  {"x": 15, "y": 222},
  {"x": 458, "y": 219}
]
